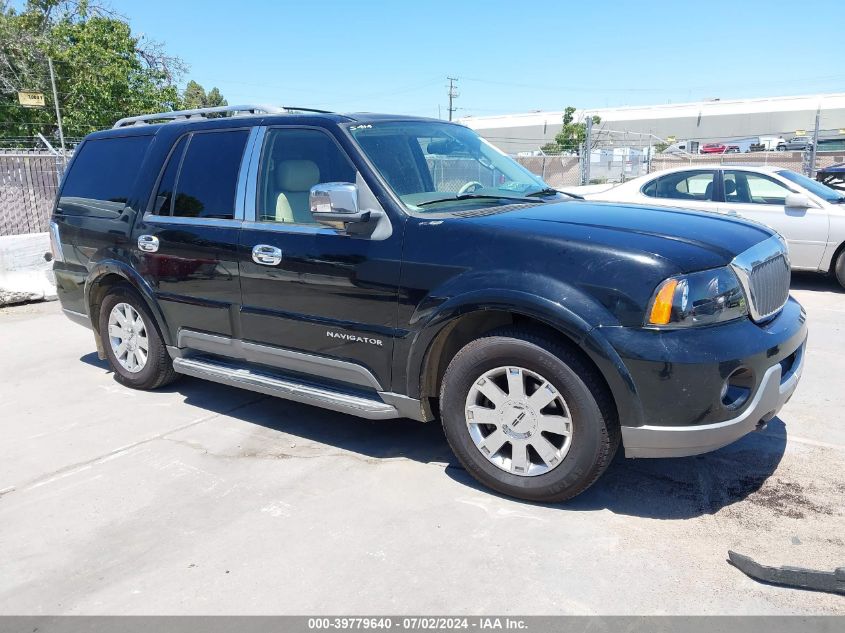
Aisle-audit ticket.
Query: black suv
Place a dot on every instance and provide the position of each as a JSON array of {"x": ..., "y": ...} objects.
[{"x": 390, "y": 266}]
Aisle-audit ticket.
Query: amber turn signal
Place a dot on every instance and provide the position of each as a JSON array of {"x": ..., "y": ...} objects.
[{"x": 661, "y": 309}]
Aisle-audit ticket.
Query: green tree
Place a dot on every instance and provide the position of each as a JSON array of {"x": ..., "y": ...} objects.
[
  {"x": 195, "y": 96},
  {"x": 103, "y": 71},
  {"x": 572, "y": 135}
]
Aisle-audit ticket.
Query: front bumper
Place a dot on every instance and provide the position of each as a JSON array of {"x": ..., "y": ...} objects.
[
  {"x": 677, "y": 378},
  {"x": 774, "y": 391}
]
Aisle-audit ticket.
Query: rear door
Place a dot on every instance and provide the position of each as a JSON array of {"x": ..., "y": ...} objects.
[
  {"x": 761, "y": 197},
  {"x": 690, "y": 189},
  {"x": 186, "y": 242}
]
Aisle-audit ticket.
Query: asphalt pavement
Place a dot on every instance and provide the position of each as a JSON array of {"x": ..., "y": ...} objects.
[{"x": 204, "y": 499}]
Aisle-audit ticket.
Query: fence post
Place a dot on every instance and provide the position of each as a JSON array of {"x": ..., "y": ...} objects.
[
  {"x": 586, "y": 152},
  {"x": 811, "y": 170}
]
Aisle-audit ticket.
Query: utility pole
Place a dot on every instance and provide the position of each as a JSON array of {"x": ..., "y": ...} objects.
[
  {"x": 453, "y": 94},
  {"x": 58, "y": 113}
]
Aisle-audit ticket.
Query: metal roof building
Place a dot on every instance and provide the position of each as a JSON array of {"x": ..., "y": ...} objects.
[{"x": 705, "y": 121}]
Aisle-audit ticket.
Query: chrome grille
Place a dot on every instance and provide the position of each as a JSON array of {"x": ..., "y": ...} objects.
[
  {"x": 764, "y": 272},
  {"x": 770, "y": 285}
]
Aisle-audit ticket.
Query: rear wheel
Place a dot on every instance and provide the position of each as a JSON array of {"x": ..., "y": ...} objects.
[
  {"x": 527, "y": 416},
  {"x": 133, "y": 345}
]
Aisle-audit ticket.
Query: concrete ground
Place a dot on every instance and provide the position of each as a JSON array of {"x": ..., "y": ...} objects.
[{"x": 205, "y": 499}]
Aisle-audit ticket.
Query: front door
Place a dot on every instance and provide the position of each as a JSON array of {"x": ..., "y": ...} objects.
[
  {"x": 314, "y": 299},
  {"x": 761, "y": 198},
  {"x": 186, "y": 243}
]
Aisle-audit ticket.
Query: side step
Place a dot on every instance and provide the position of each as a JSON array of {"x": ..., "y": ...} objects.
[{"x": 287, "y": 388}]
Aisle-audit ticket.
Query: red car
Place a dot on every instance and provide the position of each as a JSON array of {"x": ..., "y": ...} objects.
[{"x": 718, "y": 148}]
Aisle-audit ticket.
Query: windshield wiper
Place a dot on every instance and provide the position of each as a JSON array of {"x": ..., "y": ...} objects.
[
  {"x": 548, "y": 191},
  {"x": 473, "y": 196}
]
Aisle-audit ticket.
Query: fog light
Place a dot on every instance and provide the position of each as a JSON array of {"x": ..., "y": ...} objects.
[{"x": 737, "y": 388}]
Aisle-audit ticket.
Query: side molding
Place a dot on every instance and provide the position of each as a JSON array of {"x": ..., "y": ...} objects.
[{"x": 282, "y": 358}]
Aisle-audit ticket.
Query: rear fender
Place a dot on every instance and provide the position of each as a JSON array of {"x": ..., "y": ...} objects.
[{"x": 115, "y": 267}]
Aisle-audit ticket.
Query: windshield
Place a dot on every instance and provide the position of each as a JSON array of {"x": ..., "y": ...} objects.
[
  {"x": 433, "y": 166},
  {"x": 813, "y": 186}
]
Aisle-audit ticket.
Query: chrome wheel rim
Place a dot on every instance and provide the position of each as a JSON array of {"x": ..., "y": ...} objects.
[
  {"x": 128, "y": 337},
  {"x": 519, "y": 421}
]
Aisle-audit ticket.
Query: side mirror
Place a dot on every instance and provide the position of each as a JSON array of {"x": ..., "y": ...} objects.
[
  {"x": 333, "y": 202},
  {"x": 798, "y": 201}
]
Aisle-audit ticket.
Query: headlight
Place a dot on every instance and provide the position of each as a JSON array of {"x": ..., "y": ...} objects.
[{"x": 709, "y": 296}]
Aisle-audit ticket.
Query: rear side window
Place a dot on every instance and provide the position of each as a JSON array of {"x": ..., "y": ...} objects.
[
  {"x": 686, "y": 185},
  {"x": 103, "y": 174},
  {"x": 207, "y": 178}
]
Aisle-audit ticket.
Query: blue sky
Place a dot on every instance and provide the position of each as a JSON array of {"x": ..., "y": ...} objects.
[{"x": 509, "y": 56}]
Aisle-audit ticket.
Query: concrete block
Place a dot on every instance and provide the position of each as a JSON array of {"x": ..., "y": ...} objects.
[{"x": 26, "y": 269}]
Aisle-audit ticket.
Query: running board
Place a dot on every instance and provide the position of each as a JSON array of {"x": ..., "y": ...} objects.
[{"x": 286, "y": 387}]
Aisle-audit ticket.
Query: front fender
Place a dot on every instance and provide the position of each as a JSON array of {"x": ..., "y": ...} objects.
[
  {"x": 115, "y": 267},
  {"x": 581, "y": 330}
]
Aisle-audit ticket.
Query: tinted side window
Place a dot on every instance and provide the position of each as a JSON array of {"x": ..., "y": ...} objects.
[
  {"x": 750, "y": 188},
  {"x": 293, "y": 161},
  {"x": 686, "y": 185},
  {"x": 163, "y": 204},
  {"x": 103, "y": 175},
  {"x": 208, "y": 178}
]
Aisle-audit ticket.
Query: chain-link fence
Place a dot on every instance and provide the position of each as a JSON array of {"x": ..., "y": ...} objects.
[
  {"x": 28, "y": 184},
  {"x": 29, "y": 179},
  {"x": 557, "y": 171},
  {"x": 796, "y": 161}
]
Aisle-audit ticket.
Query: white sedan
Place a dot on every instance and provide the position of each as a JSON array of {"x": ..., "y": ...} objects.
[{"x": 808, "y": 214}]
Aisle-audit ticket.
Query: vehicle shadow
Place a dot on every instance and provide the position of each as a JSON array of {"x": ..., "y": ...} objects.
[
  {"x": 678, "y": 488},
  {"x": 813, "y": 281},
  {"x": 683, "y": 487}
]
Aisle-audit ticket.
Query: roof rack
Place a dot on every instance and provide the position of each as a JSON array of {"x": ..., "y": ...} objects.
[{"x": 200, "y": 113}]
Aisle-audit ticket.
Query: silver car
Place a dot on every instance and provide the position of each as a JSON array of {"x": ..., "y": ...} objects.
[{"x": 796, "y": 144}]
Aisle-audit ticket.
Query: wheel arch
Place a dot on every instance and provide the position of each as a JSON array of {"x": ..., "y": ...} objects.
[
  {"x": 107, "y": 274},
  {"x": 835, "y": 257},
  {"x": 446, "y": 335}
]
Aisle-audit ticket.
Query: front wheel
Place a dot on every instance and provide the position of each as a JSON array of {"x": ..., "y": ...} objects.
[{"x": 528, "y": 417}]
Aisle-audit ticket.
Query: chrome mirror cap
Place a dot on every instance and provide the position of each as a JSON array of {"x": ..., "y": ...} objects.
[{"x": 333, "y": 198}]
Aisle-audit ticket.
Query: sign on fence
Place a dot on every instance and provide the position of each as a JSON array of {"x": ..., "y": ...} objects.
[{"x": 30, "y": 99}]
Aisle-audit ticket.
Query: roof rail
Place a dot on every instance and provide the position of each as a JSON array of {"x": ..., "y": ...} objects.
[
  {"x": 298, "y": 109},
  {"x": 198, "y": 113}
]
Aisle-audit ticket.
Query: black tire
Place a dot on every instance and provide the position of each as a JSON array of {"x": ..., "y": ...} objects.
[
  {"x": 839, "y": 269},
  {"x": 595, "y": 429},
  {"x": 158, "y": 369}
]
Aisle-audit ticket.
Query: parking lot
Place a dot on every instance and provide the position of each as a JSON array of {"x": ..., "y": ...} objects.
[{"x": 201, "y": 498}]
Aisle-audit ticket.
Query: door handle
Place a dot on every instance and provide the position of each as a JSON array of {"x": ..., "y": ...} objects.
[
  {"x": 148, "y": 243},
  {"x": 266, "y": 255}
]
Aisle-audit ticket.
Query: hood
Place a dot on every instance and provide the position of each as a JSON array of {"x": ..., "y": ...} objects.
[{"x": 691, "y": 240}]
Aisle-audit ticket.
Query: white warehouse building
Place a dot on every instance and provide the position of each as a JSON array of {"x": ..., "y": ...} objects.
[{"x": 704, "y": 121}]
